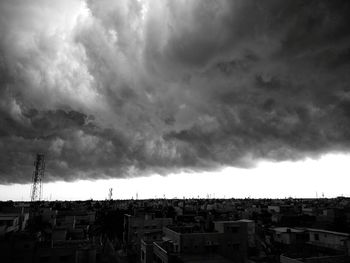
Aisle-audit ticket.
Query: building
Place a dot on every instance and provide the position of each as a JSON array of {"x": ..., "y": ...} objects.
[
  {"x": 227, "y": 243},
  {"x": 147, "y": 244},
  {"x": 136, "y": 226},
  {"x": 48, "y": 215},
  {"x": 72, "y": 251},
  {"x": 251, "y": 231},
  {"x": 328, "y": 239},
  {"x": 288, "y": 235},
  {"x": 22, "y": 212},
  {"x": 9, "y": 223}
]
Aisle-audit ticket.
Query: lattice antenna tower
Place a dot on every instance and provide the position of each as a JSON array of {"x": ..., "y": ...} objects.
[
  {"x": 110, "y": 193},
  {"x": 36, "y": 191}
]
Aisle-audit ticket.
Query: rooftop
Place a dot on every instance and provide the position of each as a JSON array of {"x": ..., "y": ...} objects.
[
  {"x": 328, "y": 232},
  {"x": 8, "y": 216},
  {"x": 188, "y": 229},
  {"x": 288, "y": 229}
]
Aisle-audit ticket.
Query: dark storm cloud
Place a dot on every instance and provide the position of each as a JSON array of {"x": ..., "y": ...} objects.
[{"x": 127, "y": 88}]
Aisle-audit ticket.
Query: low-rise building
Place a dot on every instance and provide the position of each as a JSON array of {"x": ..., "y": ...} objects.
[
  {"x": 147, "y": 245},
  {"x": 9, "y": 223},
  {"x": 288, "y": 235},
  {"x": 227, "y": 243},
  {"x": 136, "y": 226},
  {"x": 328, "y": 239}
]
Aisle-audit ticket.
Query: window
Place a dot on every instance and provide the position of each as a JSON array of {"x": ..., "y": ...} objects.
[{"x": 316, "y": 236}]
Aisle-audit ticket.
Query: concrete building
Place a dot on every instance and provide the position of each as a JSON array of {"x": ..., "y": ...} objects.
[
  {"x": 274, "y": 209},
  {"x": 328, "y": 239},
  {"x": 65, "y": 221},
  {"x": 227, "y": 243},
  {"x": 9, "y": 223},
  {"x": 233, "y": 244},
  {"x": 68, "y": 252},
  {"x": 24, "y": 247},
  {"x": 136, "y": 226},
  {"x": 147, "y": 245},
  {"x": 250, "y": 230},
  {"x": 288, "y": 235},
  {"x": 48, "y": 215},
  {"x": 59, "y": 234},
  {"x": 308, "y": 210},
  {"x": 22, "y": 212}
]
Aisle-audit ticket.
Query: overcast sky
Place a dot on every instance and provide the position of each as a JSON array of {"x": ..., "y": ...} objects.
[{"x": 120, "y": 89}]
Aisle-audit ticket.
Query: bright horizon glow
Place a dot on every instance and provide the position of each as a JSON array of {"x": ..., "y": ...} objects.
[{"x": 327, "y": 175}]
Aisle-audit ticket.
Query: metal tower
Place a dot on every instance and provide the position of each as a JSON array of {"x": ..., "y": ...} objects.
[
  {"x": 38, "y": 174},
  {"x": 110, "y": 193}
]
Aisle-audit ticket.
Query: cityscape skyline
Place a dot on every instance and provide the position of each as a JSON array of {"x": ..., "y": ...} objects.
[
  {"x": 174, "y": 131},
  {"x": 266, "y": 180}
]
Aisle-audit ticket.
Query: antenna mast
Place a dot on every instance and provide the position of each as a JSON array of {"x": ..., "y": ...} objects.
[
  {"x": 38, "y": 174},
  {"x": 110, "y": 193}
]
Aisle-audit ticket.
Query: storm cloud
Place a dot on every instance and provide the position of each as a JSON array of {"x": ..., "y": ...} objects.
[{"x": 129, "y": 88}]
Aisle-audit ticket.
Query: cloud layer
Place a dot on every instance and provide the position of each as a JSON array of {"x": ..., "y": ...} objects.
[{"x": 126, "y": 88}]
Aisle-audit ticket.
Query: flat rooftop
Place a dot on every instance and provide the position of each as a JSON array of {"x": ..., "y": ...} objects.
[
  {"x": 188, "y": 229},
  {"x": 328, "y": 232},
  {"x": 286, "y": 229},
  {"x": 8, "y": 216}
]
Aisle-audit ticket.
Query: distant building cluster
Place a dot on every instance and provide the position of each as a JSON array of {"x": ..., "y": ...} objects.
[{"x": 176, "y": 231}]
